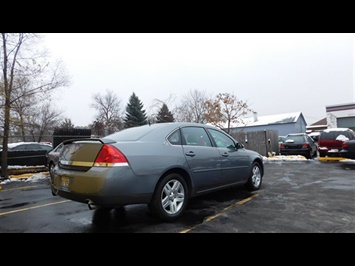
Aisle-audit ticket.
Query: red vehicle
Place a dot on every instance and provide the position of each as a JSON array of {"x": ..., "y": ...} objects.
[{"x": 331, "y": 140}]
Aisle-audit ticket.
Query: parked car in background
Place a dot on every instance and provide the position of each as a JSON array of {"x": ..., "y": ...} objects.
[
  {"x": 162, "y": 165},
  {"x": 348, "y": 149},
  {"x": 52, "y": 157},
  {"x": 299, "y": 144},
  {"x": 315, "y": 135},
  {"x": 331, "y": 140},
  {"x": 281, "y": 140},
  {"x": 27, "y": 153}
]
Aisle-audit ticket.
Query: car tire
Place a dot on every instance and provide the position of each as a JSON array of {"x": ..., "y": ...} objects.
[
  {"x": 50, "y": 169},
  {"x": 315, "y": 154},
  {"x": 309, "y": 155},
  {"x": 170, "y": 198},
  {"x": 255, "y": 177}
]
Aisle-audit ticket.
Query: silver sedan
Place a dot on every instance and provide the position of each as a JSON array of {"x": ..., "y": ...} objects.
[{"x": 162, "y": 165}]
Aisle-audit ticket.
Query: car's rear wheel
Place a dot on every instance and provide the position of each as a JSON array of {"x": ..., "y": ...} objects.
[
  {"x": 170, "y": 198},
  {"x": 314, "y": 154},
  {"x": 255, "y": 177},
  {"x": 309, "y": 155}
]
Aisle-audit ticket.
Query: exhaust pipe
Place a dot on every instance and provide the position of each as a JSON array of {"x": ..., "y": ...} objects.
[{"x": 91, "y": 205}]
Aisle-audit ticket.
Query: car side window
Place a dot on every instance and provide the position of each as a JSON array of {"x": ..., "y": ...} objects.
[
  {"x": 33, "y": 147},
  {"x": 174, "y": 138},
  {"x": 45, "y": 147},
  {"x": 19, "y": 148},
  {"x": 310, "y": 140},
  {"x": 221, "y": 139},
  {"x": 195, "y": 136}
]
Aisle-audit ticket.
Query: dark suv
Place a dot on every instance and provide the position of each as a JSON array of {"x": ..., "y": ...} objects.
[{"x": 331, "y": 141}]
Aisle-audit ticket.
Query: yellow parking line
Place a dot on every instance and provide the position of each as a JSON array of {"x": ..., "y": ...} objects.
[
  {"x": 210, "y": 218},
  {"x": 34, "y": 207},
  {"x": 28, "y": 175},
  {"x": 331, "y": 158}
]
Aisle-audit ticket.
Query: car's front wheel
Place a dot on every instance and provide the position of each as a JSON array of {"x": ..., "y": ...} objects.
[
  {"x": 255, "y": 177},
  {"x": 51, "y": 168},
  {"x": 170, "y": 198}
]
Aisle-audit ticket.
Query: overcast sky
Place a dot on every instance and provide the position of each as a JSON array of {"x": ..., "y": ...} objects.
[{"x": 274, "y": 73}]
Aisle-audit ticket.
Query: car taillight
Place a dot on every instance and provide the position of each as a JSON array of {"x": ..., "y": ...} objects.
[
  {"x": 109, "y": 155},
  {"x": 345, "y": 145},
  {"x": 282, "y": 146},
  {"x": 305, "y": 146}
]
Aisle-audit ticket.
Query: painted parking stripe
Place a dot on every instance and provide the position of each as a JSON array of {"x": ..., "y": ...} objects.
[
  {"x": 210, "y": 218},
  {"x": 34, "y": 207}
]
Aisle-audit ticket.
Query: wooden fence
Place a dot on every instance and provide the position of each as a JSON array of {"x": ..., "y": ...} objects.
[
  {"x": 266, "y": 142},
  {"x": 60, "y": 134}
]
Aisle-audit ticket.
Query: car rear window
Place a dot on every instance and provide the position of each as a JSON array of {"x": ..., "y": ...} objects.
[
  {"x": 133, "y": 133},
  {"x": 295, "y": 138},
  {"x": 332, "y": 135}
]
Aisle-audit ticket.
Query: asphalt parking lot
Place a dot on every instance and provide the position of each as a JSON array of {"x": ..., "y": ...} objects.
[{"x": 296, "y": 197}]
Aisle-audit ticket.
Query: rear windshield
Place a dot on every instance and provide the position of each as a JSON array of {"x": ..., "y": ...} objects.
[
  {"x": 332, "y": 135},
  {"x": 295, "y": 138},
  {"x": 133, "y": 133}
]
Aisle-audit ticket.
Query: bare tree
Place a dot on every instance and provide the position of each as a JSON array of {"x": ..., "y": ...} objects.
[
  {"x": 22, "y": 60},
  {"x": 108, "y": 108},
  {"x": 226, "y": 108},
  {"x": 192, "y": 107},
  {"x": 21, "y": 108},
  {"x": 44, "y": 122}
]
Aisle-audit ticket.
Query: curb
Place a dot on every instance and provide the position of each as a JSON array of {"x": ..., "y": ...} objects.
[{"x": 27, "y": 170}]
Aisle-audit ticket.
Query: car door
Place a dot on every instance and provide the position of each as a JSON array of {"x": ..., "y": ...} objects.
[
  {"x": 235, "y": 161},
  {"x": 203, "y": 159}
]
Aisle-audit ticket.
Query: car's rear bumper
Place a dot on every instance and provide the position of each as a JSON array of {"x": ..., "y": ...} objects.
[
  {"x": 295, "y": 152},
  {"x": 347, "y": 154},
  {"x": 107, "y": 187},
  {"x": 323, "y": 153}
]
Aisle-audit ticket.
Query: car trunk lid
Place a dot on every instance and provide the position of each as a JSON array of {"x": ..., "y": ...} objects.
[{"x": 80, "y": 154}]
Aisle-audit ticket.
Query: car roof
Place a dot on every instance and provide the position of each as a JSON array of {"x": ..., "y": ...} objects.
[
  {"x": 135, "y": 133},
  {"x": 337, "y": 129},
  {"x": 15, "y": 144},
  {"x": 296, "y": 134}
]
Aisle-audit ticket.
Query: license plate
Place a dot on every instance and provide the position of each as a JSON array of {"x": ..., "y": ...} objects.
[{"x": 64, "y": 183}]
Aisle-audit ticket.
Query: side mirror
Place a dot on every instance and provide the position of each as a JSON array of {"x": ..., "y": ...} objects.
[{"x": 239, "y": 146}]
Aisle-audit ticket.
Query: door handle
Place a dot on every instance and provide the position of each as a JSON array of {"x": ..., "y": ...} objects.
[{"x": 191, "y": 153}]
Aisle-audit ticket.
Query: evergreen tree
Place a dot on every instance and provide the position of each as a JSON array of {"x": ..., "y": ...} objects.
[
  {"x": 135, "y": 115},
  {"x": 164, "y": 115},
  {"x": 66, "y": 124}
]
